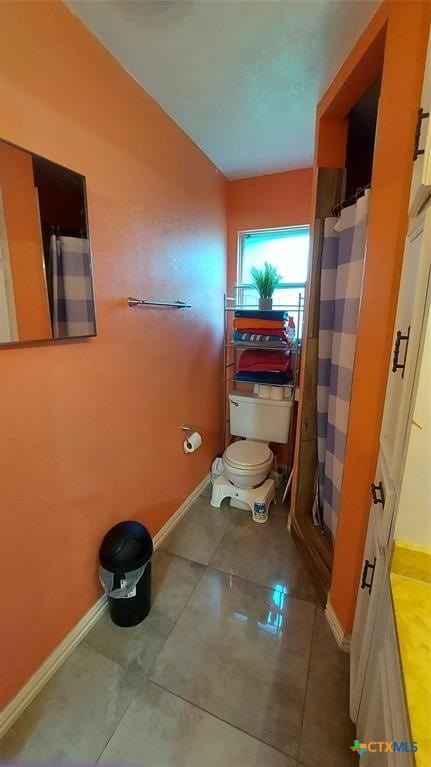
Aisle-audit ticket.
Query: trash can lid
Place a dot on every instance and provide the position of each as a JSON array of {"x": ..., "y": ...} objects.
[{"x": 126, "y": 547}]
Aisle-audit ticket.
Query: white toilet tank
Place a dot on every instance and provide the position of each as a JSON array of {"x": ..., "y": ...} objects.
[{"x": 257, "y": 418}]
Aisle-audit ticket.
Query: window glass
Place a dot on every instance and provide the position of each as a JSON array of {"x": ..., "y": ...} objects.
[{"x": 286, "y": 249}]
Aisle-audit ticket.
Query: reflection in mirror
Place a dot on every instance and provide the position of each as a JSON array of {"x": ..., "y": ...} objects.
[{"x": 46, "y": 285}]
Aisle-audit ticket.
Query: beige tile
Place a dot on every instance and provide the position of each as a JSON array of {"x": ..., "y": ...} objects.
[
  {"x": 200, "y": 531},
  {"x": 162, "y": 730},
  {"x": 173, "y": 581},
  {"x": 240, "y": 651},
  {"x": 279, "y": 509},
  {"x": 327, "y": 731},
  {"x": 206, "y": 492},
  {"x": 265, "y": 554},
  {"x": 73, "y": 717}
]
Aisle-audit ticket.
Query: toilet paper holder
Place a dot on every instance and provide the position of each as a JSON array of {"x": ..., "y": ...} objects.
[
  {"x": 193, "y": 439},
  {"x": 188, "y": 428}
]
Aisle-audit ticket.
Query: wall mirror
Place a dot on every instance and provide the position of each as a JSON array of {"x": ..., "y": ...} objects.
[{"x": 46, "y": 279}]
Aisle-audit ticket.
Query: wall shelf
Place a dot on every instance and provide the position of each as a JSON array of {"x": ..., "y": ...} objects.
[{"x": 232, "y": 349}]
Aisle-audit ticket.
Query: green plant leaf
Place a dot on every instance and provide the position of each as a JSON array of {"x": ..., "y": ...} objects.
[{"x": 265, "y": 280}]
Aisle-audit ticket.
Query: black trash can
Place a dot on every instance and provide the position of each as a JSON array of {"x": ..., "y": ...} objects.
[{"x": 125, "y": 553}]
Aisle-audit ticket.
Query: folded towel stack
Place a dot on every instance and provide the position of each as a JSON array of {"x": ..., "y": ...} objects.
[
  {"x": 266, "y": 367},
  {"x": 260, "y": 327}
]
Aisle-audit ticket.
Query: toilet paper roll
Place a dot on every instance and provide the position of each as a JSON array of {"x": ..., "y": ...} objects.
[
  {"x": 193, "y": 442},
  {"x": 264, "y": 391},
  {"x": 277, "y": 392}
]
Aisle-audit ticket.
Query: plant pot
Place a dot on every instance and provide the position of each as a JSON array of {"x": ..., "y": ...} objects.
[{"x": 265, "y": 303}]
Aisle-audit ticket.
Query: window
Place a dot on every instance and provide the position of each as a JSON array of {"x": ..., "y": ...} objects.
[{"x": 287, "y": 250}]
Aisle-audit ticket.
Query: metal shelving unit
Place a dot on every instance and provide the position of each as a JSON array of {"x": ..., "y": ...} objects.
[{"x": 231, "y": 348}]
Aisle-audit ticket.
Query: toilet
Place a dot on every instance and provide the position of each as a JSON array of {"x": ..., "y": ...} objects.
[{"x": 247, "y": 462}]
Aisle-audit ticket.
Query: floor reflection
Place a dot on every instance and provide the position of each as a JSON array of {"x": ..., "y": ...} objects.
[{"x": 274, "y": 619}]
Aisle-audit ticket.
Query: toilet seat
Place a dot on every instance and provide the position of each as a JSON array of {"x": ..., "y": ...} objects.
[
  {"x": 247, "y": 462},
  {"x": 247, "y": 454}
]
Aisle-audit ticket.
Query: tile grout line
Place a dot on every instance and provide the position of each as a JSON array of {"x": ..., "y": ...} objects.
[
  {"x": 205, "y": 569},
  {"x": 301, "y": 731},
  {"x": 248, "y": 580},
  {"x": 150, "y": 669},
  {"x": 226, "y": 537},
  {"x": 227, "y": 532},
  {"x": 108, "y": 657},
  {"x": 260, "y": 585},
  {"x": 114, "y": 731},
  {"x": 123, "y": 668},
  {"x": 183, "y": 556},
  {"x": 145, "y": 677},
  {"x": 210, "y": 567},
  {"x": 118, "y": 724},
  {"x": 135, "y": 670},
  {"x": 225, "y": 721}
]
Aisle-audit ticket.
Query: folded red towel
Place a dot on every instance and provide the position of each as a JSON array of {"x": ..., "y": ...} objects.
[
  {"x": 260, "y": 361},
  {"x": 253, "y": 322}
]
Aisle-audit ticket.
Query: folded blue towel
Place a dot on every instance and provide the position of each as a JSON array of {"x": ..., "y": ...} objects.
[
  {"x": 263, "y": 314},
  {"x": 265, "y": 377},
  {"x": 259, "y": 338}
]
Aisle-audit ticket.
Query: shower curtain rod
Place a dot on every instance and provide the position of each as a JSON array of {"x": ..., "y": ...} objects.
[
  {"x": 338, "y": 207},
  {"x": 66, "y": 231}
]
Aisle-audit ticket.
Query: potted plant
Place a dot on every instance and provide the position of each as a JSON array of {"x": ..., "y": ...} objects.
[{"x": 265, "y": 281}]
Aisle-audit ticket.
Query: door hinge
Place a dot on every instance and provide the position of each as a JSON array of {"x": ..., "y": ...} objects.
[
  {"x": 368, "y": 566},
  {"x": 378, "y": 489},
  {"x": 395, "y": 364},
  {"x": 421, "y": 116}
]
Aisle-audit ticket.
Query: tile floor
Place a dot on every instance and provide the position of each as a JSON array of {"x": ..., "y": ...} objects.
[{"x": 234, "y": 666}]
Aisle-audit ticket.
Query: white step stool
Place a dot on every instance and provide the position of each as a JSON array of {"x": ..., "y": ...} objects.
[{"x": 241, "y": 497}]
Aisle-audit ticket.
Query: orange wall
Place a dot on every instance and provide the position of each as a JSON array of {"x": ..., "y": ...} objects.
[
  {"x": 396, "y": 36},
  {"x": 264, "y": 202},
  {"x": 25, "y": 243},
  {"x": 90, "y": 429}
]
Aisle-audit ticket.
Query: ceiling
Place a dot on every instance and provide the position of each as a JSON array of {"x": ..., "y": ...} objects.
[{"x": 242, "y": 78}]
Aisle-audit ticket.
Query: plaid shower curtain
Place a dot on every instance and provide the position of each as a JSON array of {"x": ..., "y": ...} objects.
[
  {"x": 341, "y": 285},
  {"x": 71, "y": 294}
]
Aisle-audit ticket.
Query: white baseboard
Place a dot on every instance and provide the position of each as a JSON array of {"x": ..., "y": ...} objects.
[
  {"x": 342, "y": 639},
  {"x": 179, "y": 513},
  {"x": 19, "y": 703},
  {"x": 24, "y": 697}
]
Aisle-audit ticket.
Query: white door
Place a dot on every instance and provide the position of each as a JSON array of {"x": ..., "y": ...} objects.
[
  {"x": 413, "y": 518},
  {"x": 406, "y": 341},
  {"x": 383, "y": 711},
  {"x": 372, "y": 574},
  {"x": 375, "y": 723}
]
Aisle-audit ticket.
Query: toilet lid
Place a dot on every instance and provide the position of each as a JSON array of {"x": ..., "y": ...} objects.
[{"x": 246, "y": 452}]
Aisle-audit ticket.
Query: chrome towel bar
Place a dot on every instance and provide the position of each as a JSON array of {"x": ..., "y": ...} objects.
[{"x": 143, "y": 302}]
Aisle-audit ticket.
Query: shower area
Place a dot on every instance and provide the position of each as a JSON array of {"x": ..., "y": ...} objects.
[{"x": 338, "y": 254}]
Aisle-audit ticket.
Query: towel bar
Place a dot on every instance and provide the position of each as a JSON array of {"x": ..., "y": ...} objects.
[{"x": 143, "y": 302}]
